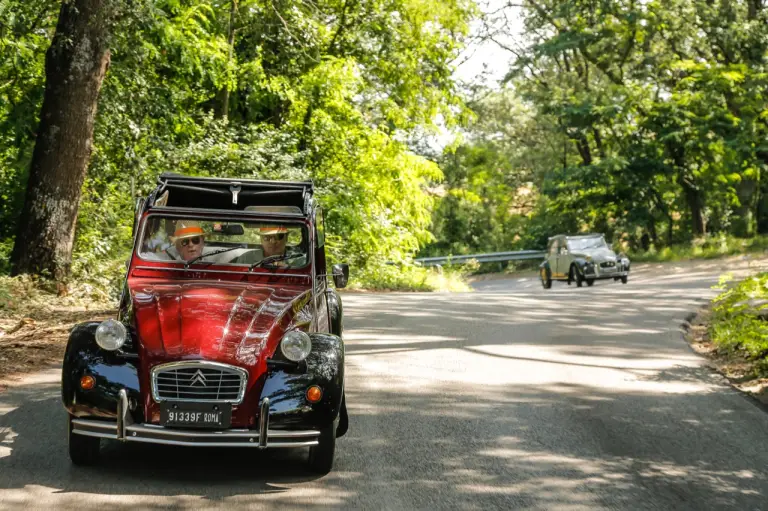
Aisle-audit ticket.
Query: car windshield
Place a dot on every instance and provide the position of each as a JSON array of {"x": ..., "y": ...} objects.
[
  {"x": 587, "y": 243},
  {"x": 211, "y": 241}
]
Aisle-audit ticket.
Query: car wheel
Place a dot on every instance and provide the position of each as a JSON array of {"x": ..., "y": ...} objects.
[
  {"x": 576, "y": 277},
  {"x": 546, "y": 278},
  {"x": 83, "y": 450},
  {"x": 321, "y": 455},
  {"x": 624, "y": 279},
  {"x": 590, "y": 282}
]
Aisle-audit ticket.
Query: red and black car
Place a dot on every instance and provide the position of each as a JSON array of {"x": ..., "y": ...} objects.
[{"x": 228, "y": 333}]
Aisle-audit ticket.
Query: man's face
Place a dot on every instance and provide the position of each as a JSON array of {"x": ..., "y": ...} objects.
[
  {"x": 189, "y": 248},
  {"x": 274, "y": 244}
]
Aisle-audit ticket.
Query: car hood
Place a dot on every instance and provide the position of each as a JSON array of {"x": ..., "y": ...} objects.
[
  {"x": 597, "y": 254},
  {"x": 219, "y": 321}
]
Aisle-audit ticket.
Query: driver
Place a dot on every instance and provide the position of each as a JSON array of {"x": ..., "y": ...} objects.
[
  {"x": 273, "y": 239},
  {"x": 189, "y": 239}
]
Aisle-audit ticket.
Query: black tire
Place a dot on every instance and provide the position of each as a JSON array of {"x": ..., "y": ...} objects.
[
  {"x": 83, "y": 450},
  {"x": 321, "y": 455},
  {"x": 576, "y": 277},
  {"x": 624, "y": 279},
  {"x": 590, "y": 282},
  {"x": 546, "y": 278}
]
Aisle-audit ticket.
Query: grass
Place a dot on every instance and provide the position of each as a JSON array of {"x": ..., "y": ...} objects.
[
  {"x": 734, "y": 326},
  {"x": 388, "y": 277},
  {"x": 710, "y": 247}
]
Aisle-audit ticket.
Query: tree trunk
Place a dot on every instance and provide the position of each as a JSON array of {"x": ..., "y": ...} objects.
[
  {"x": 693, "y": 198},
  {"x": 222, "y": 99},
  {"x": 75, "y": 65}
]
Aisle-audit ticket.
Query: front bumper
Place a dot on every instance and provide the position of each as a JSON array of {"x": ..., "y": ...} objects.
[
  {"x": 597, "y": 272},
  {"x": 126, "y": 430}
]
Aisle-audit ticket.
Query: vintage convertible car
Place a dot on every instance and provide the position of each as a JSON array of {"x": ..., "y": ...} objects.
[
  {"x": 581, "y": 258},
  {"x": 228, "y": 334}
]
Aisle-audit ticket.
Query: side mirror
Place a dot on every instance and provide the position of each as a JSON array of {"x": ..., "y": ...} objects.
[{"x": 340, "y": 275}]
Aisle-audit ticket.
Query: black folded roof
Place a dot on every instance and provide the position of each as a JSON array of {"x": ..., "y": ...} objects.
[{"x": 233, "y": 194}]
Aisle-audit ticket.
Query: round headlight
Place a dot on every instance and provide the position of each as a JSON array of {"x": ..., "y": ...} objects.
[
  {"x": 111, "y": 335},
  {"x": 296, "y": 345}
]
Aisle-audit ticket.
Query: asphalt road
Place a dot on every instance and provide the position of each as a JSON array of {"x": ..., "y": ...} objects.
[{"x": 509, "y": 397}]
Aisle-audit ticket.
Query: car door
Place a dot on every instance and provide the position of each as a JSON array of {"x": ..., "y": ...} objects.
[
  {"x": 563, "y": 259},
  {"x": 552, "y": 252}
]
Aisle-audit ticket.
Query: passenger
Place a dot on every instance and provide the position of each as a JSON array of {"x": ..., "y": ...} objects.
[
  {"x": 274, "y": 239},
  {"x": 189, "y": 239}
]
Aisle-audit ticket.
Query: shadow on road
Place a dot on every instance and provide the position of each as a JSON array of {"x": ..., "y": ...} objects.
[
  {"x": 545, "y": 447},
  {"x": 578, "y": 399}
]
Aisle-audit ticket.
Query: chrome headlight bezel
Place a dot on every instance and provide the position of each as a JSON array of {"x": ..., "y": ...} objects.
[
  {"x": 296, "y": 345},
  {"x": 111, "y": 335}
]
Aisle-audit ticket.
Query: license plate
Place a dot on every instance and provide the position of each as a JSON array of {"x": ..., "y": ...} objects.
[{"x": 195, "y": 415}]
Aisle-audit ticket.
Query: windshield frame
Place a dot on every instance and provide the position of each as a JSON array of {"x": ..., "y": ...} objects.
[{"x": 223, "y": 216}]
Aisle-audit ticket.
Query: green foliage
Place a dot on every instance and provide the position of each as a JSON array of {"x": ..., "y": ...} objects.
[
  {"x": 325, "y": 90},
  {"x": 387, "y": 277},
  {"x": 642, "y": 120},
  {"x": 735, "y": 325},
  {"x": 710, "y": 247}
]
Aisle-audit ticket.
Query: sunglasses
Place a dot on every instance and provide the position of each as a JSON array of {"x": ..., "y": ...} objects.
[
  {"x": 195, "y": 241},
  {"x": 273, "y": 237}
]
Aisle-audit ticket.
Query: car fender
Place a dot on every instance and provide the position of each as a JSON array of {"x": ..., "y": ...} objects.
[
  {"x": 286, "y": 388},
  {"x": 336, "y": 312},
  {"x": 112, "y": 371}
]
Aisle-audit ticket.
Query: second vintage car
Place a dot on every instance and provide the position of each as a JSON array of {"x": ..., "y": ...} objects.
[
  {"x": 228, "y": 334},
  {"x": 582, "y": 258}
]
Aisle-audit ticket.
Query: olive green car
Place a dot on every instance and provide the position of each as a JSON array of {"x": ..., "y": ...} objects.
[{"x": 582, "y": 258}]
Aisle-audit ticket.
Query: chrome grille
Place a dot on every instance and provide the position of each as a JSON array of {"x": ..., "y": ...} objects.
[{"x": 198, "y": 381}]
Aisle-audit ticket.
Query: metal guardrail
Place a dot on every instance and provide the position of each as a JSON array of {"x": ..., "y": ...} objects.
[{"x": 492, "y": 257}]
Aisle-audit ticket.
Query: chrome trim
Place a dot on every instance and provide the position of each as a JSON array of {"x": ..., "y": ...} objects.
[
  {"x": 94, "y": 434},
  {"x": 276, "y": 433},
  {"x": 263, "y": 423},
  {"x": 223, "y": 444},
  {"x": 199, "y": 364},
  {"x": 94, "y": 424},
  {"x": 149, "y": 433},
  {"x": 123, "y": 415}
]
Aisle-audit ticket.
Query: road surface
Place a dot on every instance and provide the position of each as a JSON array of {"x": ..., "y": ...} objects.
[{"x": 510, "y": 397}]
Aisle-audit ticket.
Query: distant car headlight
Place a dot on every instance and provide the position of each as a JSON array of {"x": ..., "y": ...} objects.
[
  {"x": 111, "y": 335},
  {"x": 296, "y": 345}
]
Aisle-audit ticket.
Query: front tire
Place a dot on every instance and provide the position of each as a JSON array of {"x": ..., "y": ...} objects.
[
  {"x": 624, "y": 279},
  {"x": 546, "y": 278},
  {"x": 321, "y": 455},
  {"x": 83, "y": 450},
  {"x": 576, "y": 277},
  {"x": 590, "y": 282}
]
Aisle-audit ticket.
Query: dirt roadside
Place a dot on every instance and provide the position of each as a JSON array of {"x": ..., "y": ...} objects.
[
  {"x": 35, "y": 340},
  {"x": 741, "y": 373}
]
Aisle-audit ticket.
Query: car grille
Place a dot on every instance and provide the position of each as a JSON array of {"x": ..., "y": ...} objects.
[{"x": 198, "y": 381}]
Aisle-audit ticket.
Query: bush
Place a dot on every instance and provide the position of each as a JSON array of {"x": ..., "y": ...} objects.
[
  {"x": 709, "y": 247},
  {"x": 390, "y": 277},
  {"x": 735, "y": 325}
]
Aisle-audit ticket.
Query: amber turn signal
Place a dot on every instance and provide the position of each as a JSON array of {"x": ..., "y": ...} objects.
[
  {"x": 314, "y": 394},
  {"x": 87, "y": 382}
]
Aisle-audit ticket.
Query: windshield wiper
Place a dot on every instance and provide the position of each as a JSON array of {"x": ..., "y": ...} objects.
[
  {"x": 274, "y": 259},
  {"x": 195, "y": 259}
]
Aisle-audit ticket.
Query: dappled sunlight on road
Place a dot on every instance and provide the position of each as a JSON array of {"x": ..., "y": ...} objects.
[{"x": 508, "y": 397}]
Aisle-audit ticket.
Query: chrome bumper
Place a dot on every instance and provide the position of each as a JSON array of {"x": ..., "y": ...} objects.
[
  {"x": 125, "y": 430},
  {"x": 605, "y": 273}
]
